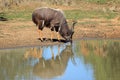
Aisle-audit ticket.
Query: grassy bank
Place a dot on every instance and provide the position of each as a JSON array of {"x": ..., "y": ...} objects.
[
  {"x": 85, "y": 9},
  {"x": 70, "y": 14}
]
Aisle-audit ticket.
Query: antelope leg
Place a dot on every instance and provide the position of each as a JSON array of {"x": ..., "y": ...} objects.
[
  {"x": 40, "y": 35},
  {"x": 40, "y": 27},
  {"x": 52, "y": 29},
  {"x": 51, "y": 36},
  {"x": 58, "y": 37}
]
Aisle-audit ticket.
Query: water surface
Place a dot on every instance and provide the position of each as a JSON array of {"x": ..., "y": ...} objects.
[{"x": 83, "y": 60}]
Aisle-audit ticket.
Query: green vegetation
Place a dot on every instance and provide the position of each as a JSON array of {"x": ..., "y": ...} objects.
[
  {"x": 70, "y": 14},
  {"x": 17, "y": 15},
  {"x": 98, "y": 1},
  {"x": 77, "y": 13},
  {"x": 80, "y": 14},
  {"x": 103, "y": 1}
]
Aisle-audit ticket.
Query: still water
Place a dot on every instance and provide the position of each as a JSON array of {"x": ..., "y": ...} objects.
[{"x": 83, "y": 60}]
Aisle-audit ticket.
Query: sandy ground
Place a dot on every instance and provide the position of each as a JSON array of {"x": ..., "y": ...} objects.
[{"x": 24, "y": 33}]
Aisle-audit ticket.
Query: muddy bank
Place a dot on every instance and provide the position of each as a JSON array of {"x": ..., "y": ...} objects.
[{"x": 19, "y": 33}]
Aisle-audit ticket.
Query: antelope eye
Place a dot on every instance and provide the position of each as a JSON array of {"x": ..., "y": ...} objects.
[{"x": 67, "y": 33}]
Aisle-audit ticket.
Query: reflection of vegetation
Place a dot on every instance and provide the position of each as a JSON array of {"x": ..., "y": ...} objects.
[
  {"x": 104, "y": 55},
  {"x": 12, "y": 64}
]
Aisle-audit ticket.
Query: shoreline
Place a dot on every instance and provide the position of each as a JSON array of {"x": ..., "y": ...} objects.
[{"x": 51, "y": 43}]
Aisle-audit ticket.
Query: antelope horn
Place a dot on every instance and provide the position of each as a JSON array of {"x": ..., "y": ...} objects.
[{"x": 72, "y": 28}]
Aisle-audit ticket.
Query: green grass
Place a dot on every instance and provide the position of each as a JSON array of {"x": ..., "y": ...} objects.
[
  {"x": 18, "y": 15},
  {"x": 98, "y": 1},
  {"x": 70, "y": 14},
  {"x": 79, "y": 14},
  {"x": 103, "y": 1}
]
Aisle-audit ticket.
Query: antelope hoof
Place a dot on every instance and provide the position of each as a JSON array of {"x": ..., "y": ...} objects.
[
  {"x": 51, "y": 39},
  {"x": 40, "y": 39},
  {"x": 59, "y": 40},
  {"x": 46, "y": 39}
]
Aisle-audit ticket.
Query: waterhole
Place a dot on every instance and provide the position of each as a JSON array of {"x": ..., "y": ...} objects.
[{"x": 83, "y": 60}]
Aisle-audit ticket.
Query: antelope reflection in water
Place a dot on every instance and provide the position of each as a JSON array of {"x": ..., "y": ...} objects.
[{"x": 52, "y": 60}]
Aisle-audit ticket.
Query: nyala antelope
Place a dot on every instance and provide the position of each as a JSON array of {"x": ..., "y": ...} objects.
[{"x": 53, "y": 19}]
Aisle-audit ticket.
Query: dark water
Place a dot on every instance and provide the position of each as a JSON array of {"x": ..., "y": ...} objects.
[{"x": 84, "y": 60}]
